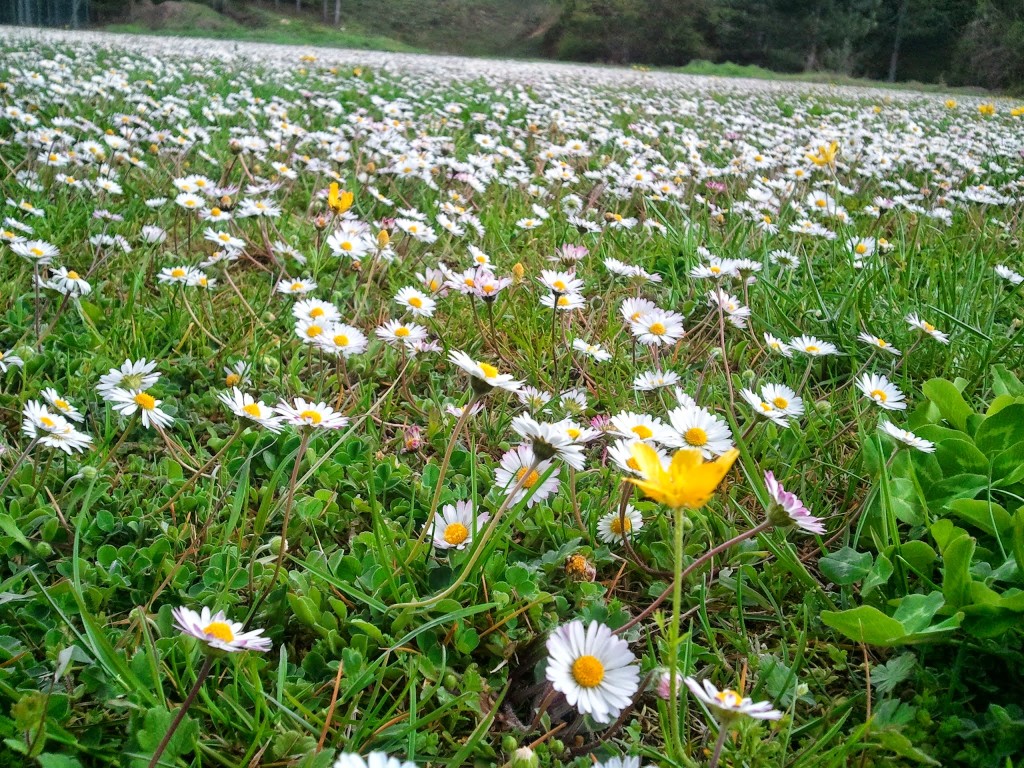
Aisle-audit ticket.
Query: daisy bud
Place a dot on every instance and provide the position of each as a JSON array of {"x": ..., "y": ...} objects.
[
  {"x": 578, "y": 568},
  {"x": 274, "y": 545},
  {"x": 524, "y": 757},
  {"x": 320, "y": 222},
  {"x": 235, "y": 147},
  {"x": 412, "y": 440},
  {"x": 748, "y": 377},
  {"x": 664, "y": 685},
  {"x": 371, "y": 167},
  {"x": 518, "y": 271}
]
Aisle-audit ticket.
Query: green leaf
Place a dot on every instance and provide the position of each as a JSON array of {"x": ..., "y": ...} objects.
[
  {"x": 865, "y": 624},
  {"x": 845, "y": 566},
  {"x": 956, "y": 570},
  {"x": 879, "y": 575},
  {"x": 959, "y": 457},
  {"x": 54, "y": 760},
  {"x": 896, "y": 742},
  {"x": 1005, "y": 382},
  {"x": 950, "y": 402},
  {"x": 885, "y": 677},
  {"x": 1004, "y": 429},
  {"x": 983, "y": 515},
  {"x": 915, "y": 612},
  {"x": 1008, "y": 466},
  {"x": 919, "y": 556}
]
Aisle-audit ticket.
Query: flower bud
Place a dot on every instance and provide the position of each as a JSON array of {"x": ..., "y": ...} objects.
[
  {"x": 524, "y": 757},
  {"x": 579, "y": 568}
]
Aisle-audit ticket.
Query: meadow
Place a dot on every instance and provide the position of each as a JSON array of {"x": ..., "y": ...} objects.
[{"x": 370, "y": 409}]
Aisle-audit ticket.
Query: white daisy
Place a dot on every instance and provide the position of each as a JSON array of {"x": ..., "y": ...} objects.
[
  {"x": 303, "y": 413},
  {"x": 218, "y": 632},
  {"x": 697, "y": 428},
  {"x": 454, "y": 526},
  {"x": 882, "y": 391},
  {"x": 593, "y": 668},
  {"x": 729, "y": 704},
  {"x": 906, "y": 437},
  {"x": 611, "y": 527},
  {"x": 246, "y": 406},
  {"x": 514, "y": 467}
]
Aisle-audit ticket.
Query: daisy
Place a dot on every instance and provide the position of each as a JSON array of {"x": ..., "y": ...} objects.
[
  {"x": 560, "y": 282},
  {"x": 395, "y": 332},
  {"x": 68, "y": 282},
  {"x": 812, "y": 346},
  {"x": 454, "y": 527},
  {"x": 296, "y": 286},
  {"x": 237, "y": 374},
  {"x": 649, "y": 381},
  {"x": 315, "y": 310},
  {"x": 342, "y": 339},
  {"x": 533, "y": 398},
  {"x": 38, "y": 252},
  {"x": 1014, "y": 278},
  {"x": 548, "y": 441},
  {"x": 788, "y": 509},
  {"x": 247, "y": 407},
  {"x": 634, "y": 309},
  {"x": 576, "y": 432},
  {"x": 372, "y": 760},
  {"x": 131, "y": 375},
  {"x": 67, "y": 410},
  {"x": 699, "y": 429},
  {"x": 563, "y": 301},
  {"x": 310, "y": 331},
  {"x": 513, "y": 468},
  {"x": 882, "y": 391},
  {"x": 783, "y": 399},
  {"x": 177, "y": 275},
  {"x": 218, "y": 632},
  {"x": 129, "y": 401},
  {"x": 878, "y": 343},
  {"x": 416, "y": 301},
  {"x": 52, "y": 430},
  {"x": 906, "y": 437},
  {"x": 484, "y": 376},
  {"x": 777, "y": 345},
  {"x": 659, "y": 326},
  {"x": 729, "y": 704},
  {"x": 612, "y": 526},
  {"x": 923, "y": 325},
  {"x": 640, "y": 426},
  {"x": 594, "y": 351},
  {"x": 764, "y": 408},
  {"x": 7, "y": 360},
  {"x": 593, "y": 668},
  {"x": 308, "y": 414}
]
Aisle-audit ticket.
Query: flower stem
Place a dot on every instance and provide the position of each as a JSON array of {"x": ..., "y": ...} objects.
[
  {"x": 719, "y": 743},
  {"x": 761, "y": 528},
  {"x": 478, "y": 548},
  {"x": 463, "y": 418},
  {"x": 17, "y": 464},
  {"x": 204, "y": 671},
  {"x": 303, "y": 445}
]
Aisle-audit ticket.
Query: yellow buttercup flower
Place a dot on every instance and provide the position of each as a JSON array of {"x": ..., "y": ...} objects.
[
  {"x": 688, "y": 481},
  {"x": 825, "y": 155},
  {"x": 339, "y": 201},
  {"x": 987, "y": 110}
]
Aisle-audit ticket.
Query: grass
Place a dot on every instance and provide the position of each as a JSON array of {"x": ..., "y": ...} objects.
[
  {"x": 892, "y": 638},
  {"x": 260, "y": 25}
]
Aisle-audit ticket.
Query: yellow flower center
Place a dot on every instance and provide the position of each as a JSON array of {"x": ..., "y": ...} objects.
[
  {"x": 341, "y": 340},
  {"x": 253, "y": 410},
  {"x": 715, "y": 270},
  {"x": 72, "y": 275},
  {"x": 220, "y": 630},
  {"x": 813, "y": 348},
  {"x": 729, "y": 698},
  {"x": 148, "y": 402},
  {"x": 820, "y": 202},
  {"x": 573, "y": 433},
  {"x": 657, "y": 329},
  {"x": 695, "y": 436},
  {"x": 313, "y": 331},
  {"x": 47, "y": 421},
  {"x": 882, "y": 343},
  {"x": 928, "y": 326},
  {"x": 177, "y": 272},
  {"x": 588, "y": 671},
  {"x": 861, "y": 249},
  {"x": 296, "y": 286},
  {"x": 642, "y": 431},
  {"x": 231, "y": 379},
  {"x": 36, "y": 251},
  {"x": 456, "y": 533},
  {"x": 401, "y": 332},
  {"x": 488, "y": 370},
  {"x": 619, "y": 525},
  {"x": 434, "y": 285},
  {"x": 62, "y": 404},
  {"x": 530, "y": 480},
  {"x": 558, "y": 285},
  {"x": 313, "y": 417},
  {"x": 633, "y": 464},
  {"x": 316, "y": 312},
  {"x": 215, "y": 211},
  {"x": 563, "y": 301},
  {"x": 781, "y": 402},
  {"x": 416, "y": 301},
  {"x": 877, "y": 394}
]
